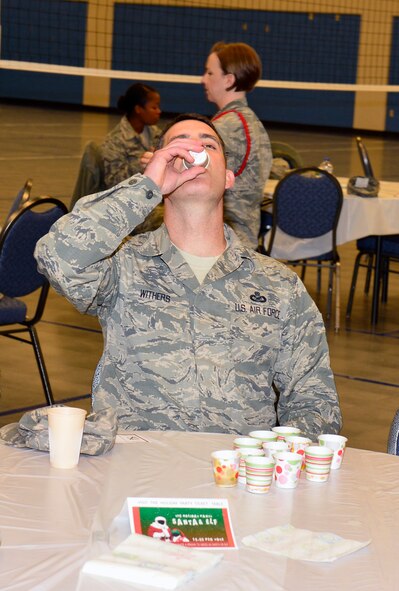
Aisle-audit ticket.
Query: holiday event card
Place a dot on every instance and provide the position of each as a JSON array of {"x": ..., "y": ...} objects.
[{"x": 203, "y": 523}]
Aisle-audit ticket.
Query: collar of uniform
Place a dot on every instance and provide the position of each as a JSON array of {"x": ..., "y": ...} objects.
[
  {"x": 159, "y": 244},
  {"x": 235, "y": 256},
  {"x": 130, "y": 134},
  {"x": 127, "y": 130},
  {"x": 233, "y": 105}
]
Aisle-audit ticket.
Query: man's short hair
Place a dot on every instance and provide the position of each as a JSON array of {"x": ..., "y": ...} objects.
[
  {"x": 242, "y": 61},
  {"x": 191, "y": 117}
]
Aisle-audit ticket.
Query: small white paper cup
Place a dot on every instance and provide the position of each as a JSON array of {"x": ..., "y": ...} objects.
[{"x": 338, "y": 444}]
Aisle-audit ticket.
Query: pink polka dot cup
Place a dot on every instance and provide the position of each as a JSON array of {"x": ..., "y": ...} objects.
[
  {"x": 337, "y": 443},
  {"x": 287, "y": 469}
]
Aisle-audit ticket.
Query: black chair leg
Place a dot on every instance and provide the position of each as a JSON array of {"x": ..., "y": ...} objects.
[
  {"x": 370, "y": 261},
  {"x": 353, "y": 285},
  {"x": 319, "y": 277},
  {"x": 303, "y": 270},
  {"x": 41, "y": 365},
  {"x": 329, "y": 292},
  {"x": 385, "y": 277}
]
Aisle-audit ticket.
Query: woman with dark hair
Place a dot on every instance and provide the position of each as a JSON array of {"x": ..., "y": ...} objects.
[
  {"x": 135, "y": 134},
  {"x": 232, "y": 70}
]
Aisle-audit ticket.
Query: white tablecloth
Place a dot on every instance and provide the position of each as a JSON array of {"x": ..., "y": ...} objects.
[
  {"x": 360, "y": 217},
  {"x": 51, "y": 521}
]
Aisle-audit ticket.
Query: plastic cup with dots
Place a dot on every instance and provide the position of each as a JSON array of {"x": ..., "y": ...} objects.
[
  {"x": 298, "y": 444},
  {"x": 287, "y": 469},
  {"x": 226, "y": 464},
  {"x": 338, "y": 444}
]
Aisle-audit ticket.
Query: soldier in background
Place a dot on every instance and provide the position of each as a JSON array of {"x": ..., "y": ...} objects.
[
  {"x": 137, "y": 132},
  {"x": 232, "y": 70},
  {"x": 200, "y": 332}
]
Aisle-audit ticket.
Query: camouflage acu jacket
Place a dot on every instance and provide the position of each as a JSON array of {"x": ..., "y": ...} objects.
[
  {"x": 249, "y": 155},
  {"x": 183, "y": 356},
  {"x": 123, "y": 148}
]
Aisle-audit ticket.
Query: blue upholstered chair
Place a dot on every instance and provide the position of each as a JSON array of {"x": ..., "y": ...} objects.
[
  {"x": 307, "y": 204},
  {"x": 393, "y": 439},
  {"x": 19, "y": 276},
  {"x": 367, "y": 248}
]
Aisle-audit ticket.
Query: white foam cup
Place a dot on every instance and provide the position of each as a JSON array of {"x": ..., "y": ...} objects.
[{"x": 65, "y": 429}]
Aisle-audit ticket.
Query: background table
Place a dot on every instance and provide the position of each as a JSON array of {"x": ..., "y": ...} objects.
[
  {"x": 360, "y": 217},
  {"x": 53, "y": 520}
]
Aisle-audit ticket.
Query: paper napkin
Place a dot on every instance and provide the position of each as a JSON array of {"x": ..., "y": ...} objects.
[
  {"x": 303, "y": 544},
  {"x": 143, "y": 560}
]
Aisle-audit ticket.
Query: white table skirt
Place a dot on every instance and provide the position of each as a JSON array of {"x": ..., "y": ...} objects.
[
  {"x": 360, "y": 217},
  {"x": 53, "y": 520}
]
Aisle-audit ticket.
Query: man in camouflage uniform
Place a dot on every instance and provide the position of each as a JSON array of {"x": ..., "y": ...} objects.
[{"x": 195, "y": 346}]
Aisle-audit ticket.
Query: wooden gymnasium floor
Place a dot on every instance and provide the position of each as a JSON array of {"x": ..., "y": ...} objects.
[{"x": 45, "y": 143}]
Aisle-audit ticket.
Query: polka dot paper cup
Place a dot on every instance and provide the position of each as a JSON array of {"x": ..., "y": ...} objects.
[
  {"x": 337, "y": 443},
  {"x": 318, "y": 460},
  {"x": 259, "y": 474},
  {"x": 285, "y": 431},
  {"x": 298, "y": 444},
  {"x": 226, "y": 465},
  {"x": 287, "y": 469}
]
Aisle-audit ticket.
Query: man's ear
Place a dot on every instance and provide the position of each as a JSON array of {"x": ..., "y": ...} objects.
[{"x": 230, "y": 179}]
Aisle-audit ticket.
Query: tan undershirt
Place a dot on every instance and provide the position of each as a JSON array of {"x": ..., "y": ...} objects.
[{"x": 199, "y": 265}]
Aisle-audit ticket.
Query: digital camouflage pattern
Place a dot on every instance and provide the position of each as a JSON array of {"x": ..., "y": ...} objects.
[
  {"x": 123, "y": 148},
  {"x": 242, "y": 202},
  {"x": 183, "y": 356}
]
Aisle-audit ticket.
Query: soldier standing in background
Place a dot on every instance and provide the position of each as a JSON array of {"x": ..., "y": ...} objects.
[
  {"x": 199, "y": 331},
  {"x": 232, "y": 70}
]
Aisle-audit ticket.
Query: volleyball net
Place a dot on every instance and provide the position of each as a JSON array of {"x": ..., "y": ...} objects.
[{"x": 345, "y": 45}]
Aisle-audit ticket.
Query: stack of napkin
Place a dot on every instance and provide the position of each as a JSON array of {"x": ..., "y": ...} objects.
[
  {"x": 303, "y": 544},
  {"x": 143, "y": 560}
]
